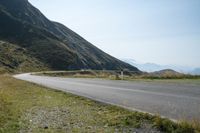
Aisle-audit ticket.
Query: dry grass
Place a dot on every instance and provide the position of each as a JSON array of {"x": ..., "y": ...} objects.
[{"x": 116, "y": 75}]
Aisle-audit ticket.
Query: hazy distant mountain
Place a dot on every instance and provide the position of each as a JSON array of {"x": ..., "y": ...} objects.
[
  {"x": 48, "y": 43},
  {"x": 152, "y": 67},
  {"x": 196, "y": 71},
  {"x": 148, "y": 67}
]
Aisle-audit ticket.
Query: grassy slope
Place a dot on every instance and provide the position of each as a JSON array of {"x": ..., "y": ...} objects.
[
  {"x": 14, "y": 58},
  {"x": 28, "y": 107}
]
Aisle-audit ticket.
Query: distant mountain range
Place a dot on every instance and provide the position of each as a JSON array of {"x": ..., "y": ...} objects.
[
  {"x": 152, "y": 67},
  {"x": 196, "y": 71},
  {"x": 31, "y": 42}
]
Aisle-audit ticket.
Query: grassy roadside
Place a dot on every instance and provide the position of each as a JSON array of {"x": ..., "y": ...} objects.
[
  {"x": 26, "y": 107},
  {"x": 111, "y": 74},
  {"x": 115, "y": 76}
]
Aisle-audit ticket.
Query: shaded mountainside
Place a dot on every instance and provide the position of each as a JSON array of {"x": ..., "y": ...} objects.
[
  {"x": 51, "y": 43},
  {"x": 14, "y": 58}
]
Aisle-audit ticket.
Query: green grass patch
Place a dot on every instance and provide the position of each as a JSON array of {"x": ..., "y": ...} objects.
[{"x": 26, "y": 107}]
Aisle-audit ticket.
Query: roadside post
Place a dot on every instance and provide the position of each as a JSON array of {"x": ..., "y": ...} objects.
[{"x": 122, "y": 75}]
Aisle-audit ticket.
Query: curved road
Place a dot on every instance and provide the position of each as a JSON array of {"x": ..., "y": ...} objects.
[{"x": 173, "y": 100}]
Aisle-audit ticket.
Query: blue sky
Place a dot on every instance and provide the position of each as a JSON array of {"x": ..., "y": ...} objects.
[{"x": 159, "y": 31}]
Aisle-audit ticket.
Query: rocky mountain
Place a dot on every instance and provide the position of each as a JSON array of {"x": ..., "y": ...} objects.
[{"x": 46, "y": 43}]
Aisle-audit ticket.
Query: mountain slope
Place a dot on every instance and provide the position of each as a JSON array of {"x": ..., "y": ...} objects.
[
  {"x": 49, "y": 42},
  {"x": 166, "y": 73},
  {"x": 14, "y": 58}
]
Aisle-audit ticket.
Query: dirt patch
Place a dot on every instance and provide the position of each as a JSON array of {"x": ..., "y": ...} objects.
[
  {"x": 60, "y": 119},
  {"x": 45, "y": 118}
]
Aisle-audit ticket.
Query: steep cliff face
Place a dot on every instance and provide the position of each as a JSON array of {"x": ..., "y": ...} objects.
[{"x": 49, "y": 42}]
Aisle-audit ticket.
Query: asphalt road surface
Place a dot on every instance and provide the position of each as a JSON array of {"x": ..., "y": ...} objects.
[{"x": 178, "y": 101}]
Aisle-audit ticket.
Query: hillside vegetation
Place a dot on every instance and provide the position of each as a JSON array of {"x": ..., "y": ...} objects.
[{"x": 15, "y": 59}]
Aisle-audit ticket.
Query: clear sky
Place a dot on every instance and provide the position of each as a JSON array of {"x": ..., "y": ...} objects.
[{"x": 159, "y": 31}]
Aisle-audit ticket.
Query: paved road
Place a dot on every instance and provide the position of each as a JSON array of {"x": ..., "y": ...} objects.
[{"x": 172, "y": 100}]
